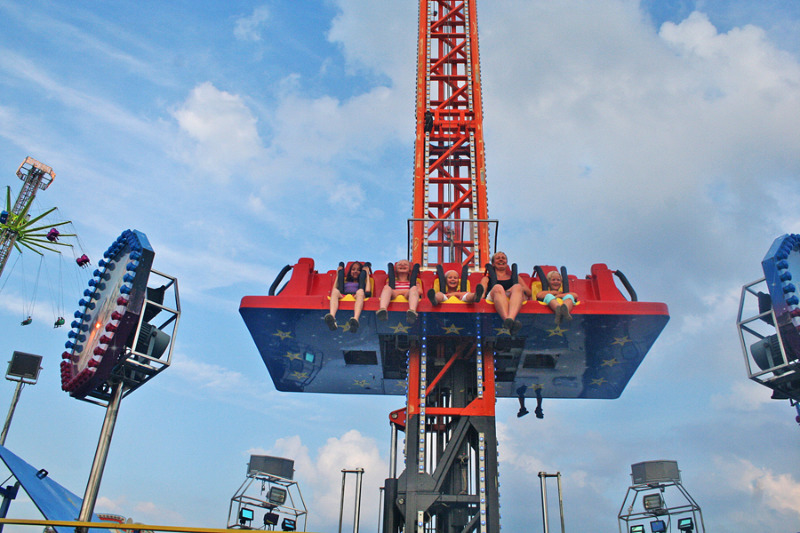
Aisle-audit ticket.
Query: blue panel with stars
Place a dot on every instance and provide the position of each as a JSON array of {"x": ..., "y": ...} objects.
[{"x": 592, "y": 356}]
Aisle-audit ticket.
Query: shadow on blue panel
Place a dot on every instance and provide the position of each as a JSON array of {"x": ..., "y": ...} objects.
[{"x": 53, "y": 501}]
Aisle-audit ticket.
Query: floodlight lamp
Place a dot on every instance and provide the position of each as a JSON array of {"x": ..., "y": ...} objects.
[
  {"x": 639, "y": 528},
  {"x": 653, "y": 502},
  {"x": 276, "y": 496},
  {"x": 686, "y": 525},
  {"x": 24, "y": 367},
  {"x": 658, "y": 526},
  {"x": 271, "y": 519},
  {"x": 289, "y": 524},
  {"x": 245, "y": 515}
]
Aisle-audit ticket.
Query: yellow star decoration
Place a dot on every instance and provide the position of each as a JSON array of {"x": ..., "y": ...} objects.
[
  {"x": 360, "y": 382},
  {"x": 502, "y": 331},
  {"x": 299, "y": 375},
  {"x": 610, "y": 362},
  {"x": 292, "y": 356},
  {"x": 400, "y": 328},
  {"x": 557, "y": 331},
  {"x": 283, "y": 334},
  {"x": 622, "y": 341},
  {"x": 452, "y": 329},
  {"x": 598, "y": 382},
  {"x": 534, "y": 387}
]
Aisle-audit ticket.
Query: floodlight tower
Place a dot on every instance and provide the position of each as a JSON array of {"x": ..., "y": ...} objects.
[
  {"x": 24, "y": 369},
  {"x": 667, "y": 501}
]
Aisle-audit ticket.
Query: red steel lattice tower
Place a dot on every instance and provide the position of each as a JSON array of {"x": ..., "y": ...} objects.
[{"x": 450, "y": 210}]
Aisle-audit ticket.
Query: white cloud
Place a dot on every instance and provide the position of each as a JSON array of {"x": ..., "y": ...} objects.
[
  {"x": 249, "y": 28},
  {"x": 654, "y": 127},
  {"x": 744, "y": 396},
  {"x": 146, "y": 512},
  {"x": 107, "y": 112},
  {"x": 211, "y": 378},
  {"x": 151, "y": 513},
  {"x": 321, "y": 475},
  {"x": 779, "y": 492},
  {"x": 107, "y": 505},
  {"x": 513, "y": 454},
  {"x": 365, "y": 44},
  {"x": 222, "y": 131}
]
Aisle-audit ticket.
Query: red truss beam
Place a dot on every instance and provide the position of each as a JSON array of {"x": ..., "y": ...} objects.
[{"x": 450, "y": 202}]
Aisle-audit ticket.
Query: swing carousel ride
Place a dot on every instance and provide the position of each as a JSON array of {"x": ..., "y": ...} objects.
[
  {"x": 456, "y": 358},
  {"x": 20, "y": 230}
]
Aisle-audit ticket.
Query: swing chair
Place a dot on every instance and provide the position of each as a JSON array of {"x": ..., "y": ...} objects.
[{"x": 29, "y": 304}]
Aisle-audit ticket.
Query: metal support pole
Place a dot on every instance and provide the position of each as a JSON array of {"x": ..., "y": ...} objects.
[
  {"x": 357, "y": 514},
  {"x": 543, "y": 484},
  {"x": 8, "y": 493},
  {"x": 100, "y": 456},
  {"x": 393, "y": 453},
  {"x": 380, "y": 508},
  {"x": 560, "y": 501},
  {"x": 358, "y": 472},
  {"x": 11, "y": 410},
  {"x": 341, "y": 501},
  {"x": 543, "y": 481}
]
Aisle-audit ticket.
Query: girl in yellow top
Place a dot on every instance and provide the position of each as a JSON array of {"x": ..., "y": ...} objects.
[{"x": 451, "y": 288}]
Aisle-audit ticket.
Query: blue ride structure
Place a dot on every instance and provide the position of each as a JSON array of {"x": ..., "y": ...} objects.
[{"x": 768, "y": 321}]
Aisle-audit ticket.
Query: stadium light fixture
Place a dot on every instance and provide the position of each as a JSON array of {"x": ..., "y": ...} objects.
[
  {"x": 276, "y": 496},
  {"x": 653, "y": 502},
  {"x": 271, "y": 519},
  {"x": 245, "y": 516}
]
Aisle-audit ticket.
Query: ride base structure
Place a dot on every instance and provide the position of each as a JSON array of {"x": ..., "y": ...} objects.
[{"x": 455, "y": 359}]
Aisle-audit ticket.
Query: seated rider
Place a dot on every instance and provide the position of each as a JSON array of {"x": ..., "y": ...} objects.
[
  {"x": 355, "y": 283},
  {"x": 451, "y": 282},
  {"x": 560, "y": 302},
  {"x": 507, "y": 296},
  {"x": 402, "y": 287}
]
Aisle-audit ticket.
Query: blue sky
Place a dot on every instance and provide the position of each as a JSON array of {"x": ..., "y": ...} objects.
[{"x": 660, "y": 138}]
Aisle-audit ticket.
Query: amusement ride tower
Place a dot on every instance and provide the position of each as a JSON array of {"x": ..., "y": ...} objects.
[
  {"x": 16, "y": 225},
  {"x": 450, "y": 205},
  {"x": 456, "y": 359}
]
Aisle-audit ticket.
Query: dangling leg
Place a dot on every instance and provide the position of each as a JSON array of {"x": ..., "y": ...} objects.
[
  {"x": 566, "y": 307},
  {"x": 330, "y": 318},
  {"x": 521, "y": 397},
  {"x": 538, "y": 411},
  {"x": 433, "y": 297},
  {"x": 386, "y": 297},
  {"x": 498, "y": 296},
  {"x": 357, "y": 308},
  {"x": 413, "y": 302}
]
